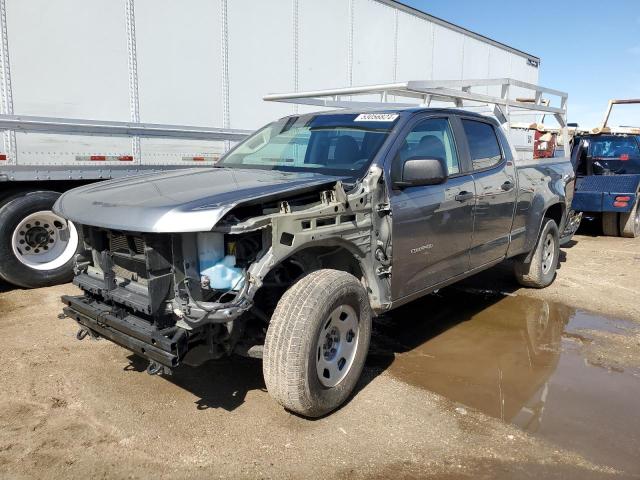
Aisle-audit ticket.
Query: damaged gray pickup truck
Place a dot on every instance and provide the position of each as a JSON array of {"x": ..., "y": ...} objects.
[{"x": 288, "y": 247}]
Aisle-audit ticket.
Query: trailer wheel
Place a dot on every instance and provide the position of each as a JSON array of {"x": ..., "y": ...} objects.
[
  {"x": 610, "y": 224},
  {"x": 317, "y": 342},
  {"x": 630, "y": 222},
  {"x": 541, "y": 270},
  {"x": 37, "y": 246}
]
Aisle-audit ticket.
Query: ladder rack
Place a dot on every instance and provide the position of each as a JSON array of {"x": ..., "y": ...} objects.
[{"x": 422, "y": 93}]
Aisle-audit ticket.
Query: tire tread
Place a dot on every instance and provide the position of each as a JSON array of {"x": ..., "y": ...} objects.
[{"x": 291, "y": 334}]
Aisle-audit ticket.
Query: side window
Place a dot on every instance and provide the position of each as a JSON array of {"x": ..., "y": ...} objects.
[
  {"x": 483, "y": 144},
  {"x": 432, "y": 138}
]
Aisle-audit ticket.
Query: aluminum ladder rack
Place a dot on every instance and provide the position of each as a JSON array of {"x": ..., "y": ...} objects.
[{"x": 532, "y": 99}]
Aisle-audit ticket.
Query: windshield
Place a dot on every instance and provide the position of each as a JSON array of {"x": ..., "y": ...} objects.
[
  {"x": 339, "y": 144},
  {"x": 615, "y": 154}
]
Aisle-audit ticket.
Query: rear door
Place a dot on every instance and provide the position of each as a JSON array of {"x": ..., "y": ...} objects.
[
  {"x": 495, "y": 181},
  {"x": 432, "y": 225}
]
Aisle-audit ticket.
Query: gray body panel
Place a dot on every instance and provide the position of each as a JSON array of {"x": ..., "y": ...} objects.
[
  {"x": 438, "y": 240},
  {"x": 432, "y": 235},
  {"x": 541, "y": 184},
  {"x": 494, "y": 208},
  {"x": 182, "y": 201}
]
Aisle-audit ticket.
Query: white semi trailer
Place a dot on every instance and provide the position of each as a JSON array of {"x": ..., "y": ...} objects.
[{"x": 97, "y": 89}]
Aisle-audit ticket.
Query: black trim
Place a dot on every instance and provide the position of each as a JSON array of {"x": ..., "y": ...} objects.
[
  {"x": 487, "y": 121},
  {"x": 130, "y": 332},
  {"x": 408, "y": 126}
]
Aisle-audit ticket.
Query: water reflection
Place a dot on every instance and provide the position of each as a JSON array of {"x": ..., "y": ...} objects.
[
  {"x": 521, "y": 360},
  {"x": 494, "y": 354}
]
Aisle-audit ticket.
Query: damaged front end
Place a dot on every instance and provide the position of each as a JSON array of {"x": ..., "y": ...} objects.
[{"x": 184, "y": 298}]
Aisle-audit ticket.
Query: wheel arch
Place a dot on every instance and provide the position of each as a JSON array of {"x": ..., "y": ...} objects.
[
  {"x": 333, "y": 253},
  {"x": 556, "y": 210}
]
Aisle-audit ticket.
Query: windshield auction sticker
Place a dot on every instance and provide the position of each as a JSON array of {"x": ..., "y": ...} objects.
[{"x": 376, "y": 117}]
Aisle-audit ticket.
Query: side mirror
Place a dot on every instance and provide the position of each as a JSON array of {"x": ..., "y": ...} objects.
[{"x": 420, "y": 171}]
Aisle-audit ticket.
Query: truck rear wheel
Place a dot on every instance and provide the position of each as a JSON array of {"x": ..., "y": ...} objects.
[
  {"x": 630, "y": 222},
  {"x": 317, "y": 342},
  {"x": 36, "y": 245},
  {"x": 541, "y": 270},
  {"x": 610, "y": 224}
]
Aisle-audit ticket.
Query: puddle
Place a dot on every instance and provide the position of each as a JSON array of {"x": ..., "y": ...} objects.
[{"x": 524, "y": 361}]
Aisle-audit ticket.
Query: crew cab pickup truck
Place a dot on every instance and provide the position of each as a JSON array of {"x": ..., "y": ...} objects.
[{"x": 288, "y": 247}]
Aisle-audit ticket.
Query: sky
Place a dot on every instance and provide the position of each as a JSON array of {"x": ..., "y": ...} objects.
[{"x": 588, "y": 48}]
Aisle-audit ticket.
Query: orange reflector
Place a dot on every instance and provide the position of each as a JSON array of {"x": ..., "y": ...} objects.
[
  {"x": 624, "y": 157},
  {"x": 623, "y": 198},
  {"x": 126, "y": 158},
  {"x": 198, "y": 159},
  {"x": 620, "y": 204},
  {"x": 97, "y": 158},
  {"x": 3, "y": 156}
]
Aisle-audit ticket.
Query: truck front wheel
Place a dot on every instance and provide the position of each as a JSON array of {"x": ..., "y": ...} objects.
[
  {"x": 36, "y": 245},
  {"x": 541, "y": 270},
  {"x": 317, "y": 342},
  {"x": 630, "y": 222}
]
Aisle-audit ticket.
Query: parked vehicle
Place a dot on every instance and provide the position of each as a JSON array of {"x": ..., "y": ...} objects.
[
  {"x": 607, "y": 163},
  {"x": 304, "y": 231}
]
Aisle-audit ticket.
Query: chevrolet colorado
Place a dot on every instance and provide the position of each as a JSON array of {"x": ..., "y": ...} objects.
[{"x": 288, "y": 247}]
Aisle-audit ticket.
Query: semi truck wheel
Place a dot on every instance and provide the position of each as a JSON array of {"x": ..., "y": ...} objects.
[
  {"x": 610, "y": 224},
  {"x": 317, "y": 342},
  {"x": 36, "y": 246},
  {"x": 630, "y": 222},
  {"x": 541, "y": 270}
]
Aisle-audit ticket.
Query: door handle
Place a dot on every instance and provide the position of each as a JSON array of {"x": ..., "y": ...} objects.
[
  {"x": 463, "y": 196},
  {"x": 508, "y": 185}
]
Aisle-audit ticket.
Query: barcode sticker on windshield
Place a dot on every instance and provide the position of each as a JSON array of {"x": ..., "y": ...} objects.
[{"x": 376, "y": 117}]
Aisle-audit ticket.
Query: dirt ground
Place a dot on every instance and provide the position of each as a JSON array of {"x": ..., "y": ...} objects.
[{"x": 565, "y": 403}]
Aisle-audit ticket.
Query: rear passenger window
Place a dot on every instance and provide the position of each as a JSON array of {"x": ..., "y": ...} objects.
[{"x": 483, "y": 144}]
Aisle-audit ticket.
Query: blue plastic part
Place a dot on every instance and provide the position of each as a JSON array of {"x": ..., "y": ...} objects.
[{"x": 224, "y": 275}]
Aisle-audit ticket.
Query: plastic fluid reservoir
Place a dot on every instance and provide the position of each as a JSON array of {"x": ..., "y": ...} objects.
[
  {"x": 210, "y": 249},
  {"x": 219, "y": 269},
  {"x": 224, "y": 275}
]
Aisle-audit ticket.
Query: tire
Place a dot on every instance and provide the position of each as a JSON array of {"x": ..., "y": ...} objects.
[
  {"x": 40, "y": 266},
  {"x": 301, "y": 341},
  {"x": 541, "y": 270},
  {"x": 610, "y": 224},
  {"x": 630, "y": 222}
]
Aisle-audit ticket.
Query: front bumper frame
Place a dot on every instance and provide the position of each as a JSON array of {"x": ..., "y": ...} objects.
[{"x": 165, "y": 347}]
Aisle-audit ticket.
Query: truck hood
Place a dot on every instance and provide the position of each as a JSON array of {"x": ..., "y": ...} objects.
[{"x": 191, "y": 200}]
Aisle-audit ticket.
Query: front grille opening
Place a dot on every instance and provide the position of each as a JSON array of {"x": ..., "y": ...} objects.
[{"x": 127, "y": 244}]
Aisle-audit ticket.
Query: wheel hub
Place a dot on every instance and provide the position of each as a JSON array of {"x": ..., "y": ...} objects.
[
  {"x": 548, "y": 254},
  {"x": 44, "y": 241},
  {"x": 38, "y": 237},
  {"x": 331, "y": 344},
  {"x": 337, "y": 345}
]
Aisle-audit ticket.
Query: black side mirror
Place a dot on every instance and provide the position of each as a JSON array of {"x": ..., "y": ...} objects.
[{"x": 420, "y": 171}]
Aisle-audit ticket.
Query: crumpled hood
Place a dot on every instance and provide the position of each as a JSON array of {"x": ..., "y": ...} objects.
[{"x": 191, "y": 200}]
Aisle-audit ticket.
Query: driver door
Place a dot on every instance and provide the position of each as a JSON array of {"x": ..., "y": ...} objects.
[{"x": 432, "y": 225}]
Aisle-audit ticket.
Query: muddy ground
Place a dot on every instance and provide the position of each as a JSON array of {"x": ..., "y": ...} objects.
[{"x": 482, "y": 380}]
